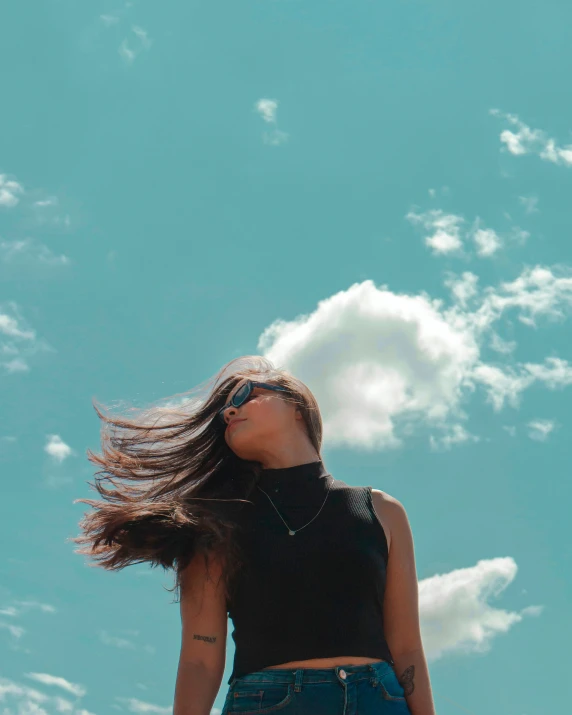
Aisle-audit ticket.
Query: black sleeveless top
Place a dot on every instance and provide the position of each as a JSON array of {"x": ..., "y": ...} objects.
[{"x": 319, "y": 593}]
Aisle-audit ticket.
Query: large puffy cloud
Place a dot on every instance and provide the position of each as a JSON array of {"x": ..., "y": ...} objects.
[
  {"x": 380, "y": 362},
  {"x": 371, "y": 356}
]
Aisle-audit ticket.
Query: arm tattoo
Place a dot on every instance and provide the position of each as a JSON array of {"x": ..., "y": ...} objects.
[
  {"x": 406, "y": 680},
  {"x": 208, "y": 639}
]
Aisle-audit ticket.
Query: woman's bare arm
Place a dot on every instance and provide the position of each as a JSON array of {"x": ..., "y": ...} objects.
[{"x": 203, "y": 641}]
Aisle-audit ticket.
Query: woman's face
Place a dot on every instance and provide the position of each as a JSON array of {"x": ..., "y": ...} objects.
[{"x": 267, "y": 422}]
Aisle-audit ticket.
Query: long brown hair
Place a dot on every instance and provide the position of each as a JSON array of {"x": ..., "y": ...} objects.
[{"x": 179, "y": 463}]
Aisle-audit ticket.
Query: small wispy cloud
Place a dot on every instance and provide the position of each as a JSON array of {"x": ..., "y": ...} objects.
[
  {"x": 450, "y": 234},
  {"x": 443, "y": 190},
  {"x": 267, "y": 109},
  {"x": 57, "y": 681},
  {"x": 30, "y": 250},
  {"x": 44, "y": 607},
  {"x": 463, "y": 288},
  {"x": 532, "y": 141},
  {"x": 131, "y": 46},
  {"x": 32, "y": 701},
  {"x": 17, "y": 340},
  {"x": 456, "y": 434},
  {"x": 530, "y": 203},
  {"x": 505, "y": 347},
  {"x": 43, "y": 203},
  {"x": 540, "y": 429},
  {"x": 443, "y": 230},
  {"x": 57, "y": 448},
  {"x": 10, "y": 191},
  {"x": 139, "y": 706},
  {"x": 15, "y": 631},
  {"x": 116, "y": 641}
]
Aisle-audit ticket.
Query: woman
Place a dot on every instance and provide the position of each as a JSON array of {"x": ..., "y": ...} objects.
[{"x": 234, "y": 495}]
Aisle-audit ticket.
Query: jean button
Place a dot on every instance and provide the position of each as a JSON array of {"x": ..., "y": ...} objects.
[{"x": 343, "y": 674}]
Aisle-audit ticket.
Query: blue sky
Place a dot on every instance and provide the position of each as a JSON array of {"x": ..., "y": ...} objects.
[{"x": 375, "y": 196}]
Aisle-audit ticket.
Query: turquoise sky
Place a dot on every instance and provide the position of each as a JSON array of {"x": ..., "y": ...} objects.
[{"x": 374, "y": 195}]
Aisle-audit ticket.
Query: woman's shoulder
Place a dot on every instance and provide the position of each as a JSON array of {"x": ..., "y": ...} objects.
[{"x": 385, "y": 507}]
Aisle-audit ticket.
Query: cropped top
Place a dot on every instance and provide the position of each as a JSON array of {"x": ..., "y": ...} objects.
[{"x": 318, "y": 593}]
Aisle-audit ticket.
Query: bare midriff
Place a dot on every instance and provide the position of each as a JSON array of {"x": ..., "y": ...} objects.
[{"x": 325, "y": 662}]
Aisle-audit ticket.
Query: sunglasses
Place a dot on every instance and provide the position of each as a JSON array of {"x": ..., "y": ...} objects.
[{"x": 242, "y": 395}]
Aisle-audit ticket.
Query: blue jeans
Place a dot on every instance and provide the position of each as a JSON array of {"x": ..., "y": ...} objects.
[{"x": 371, "y": 689}]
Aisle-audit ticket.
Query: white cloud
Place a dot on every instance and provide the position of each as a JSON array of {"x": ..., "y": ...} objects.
[
  {"x": 444, "y": 230},
  {"x": 9, "y": 326},
  {"x": 57, "y": 448},
  {"x": 28, "y": 249},
  {"x": 455, "y": 613},
  {"x": 17, "y": 341},
  {"x": 446, "y": 233},
  {"x": 456, "y": 434},
  {"x": 372, "y": 356},
  {"x": 532, "y": 141},
  {"x": 501, "y": 346},
  {"x": 381, "y": 362},
  {"x": 267, "y": 109},
  {"x": 30, "y": 701},
  {"x": 43, "y": 203},
  {"x": 538, "y": 291},
  {"x": 116, "y": 641},
  {"x": 540, "y": 429},
  {"x": 139, "y": 706},
  {"x": 9, "y": 191},
  {"x": 45, "y": 607},
  {"x": 464, "y": 289},
  {"x": 47, "y": 679},
  {"x": 487, "y": 242},
  {"x": 506, "y": 385}
]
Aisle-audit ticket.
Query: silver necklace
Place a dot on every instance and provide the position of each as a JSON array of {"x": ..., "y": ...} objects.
[{"x": 291, "y": 532}]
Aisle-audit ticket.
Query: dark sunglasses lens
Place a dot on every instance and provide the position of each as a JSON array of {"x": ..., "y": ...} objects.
[
  {"x": 237, "y": 399},
  {"x": 240, "y": 396}
]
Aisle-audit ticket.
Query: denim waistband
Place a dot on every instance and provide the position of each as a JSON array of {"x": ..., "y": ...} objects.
[{"x": 299, "y": 676}]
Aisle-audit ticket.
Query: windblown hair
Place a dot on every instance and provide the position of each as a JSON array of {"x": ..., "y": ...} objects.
[{"x": 182, "y": 473}]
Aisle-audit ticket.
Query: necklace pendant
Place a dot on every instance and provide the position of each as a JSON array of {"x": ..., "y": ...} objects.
[{"x": 291, "y": 532}]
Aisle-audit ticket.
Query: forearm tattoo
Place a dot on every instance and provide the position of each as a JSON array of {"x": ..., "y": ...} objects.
[
  {"x": 406, "y": 680},
  {"x": 208, "y": 639}
]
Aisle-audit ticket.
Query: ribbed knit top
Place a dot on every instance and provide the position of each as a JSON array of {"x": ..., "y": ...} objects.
[{"x": 319, "y": 593}]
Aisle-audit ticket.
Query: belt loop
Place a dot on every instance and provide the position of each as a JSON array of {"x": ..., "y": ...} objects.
[
  {"x": 373, "y": 675},
  {"x": 298, "y": 680}
]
